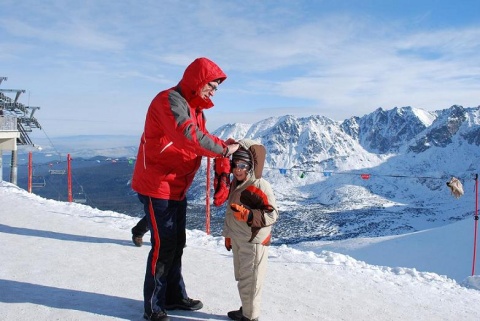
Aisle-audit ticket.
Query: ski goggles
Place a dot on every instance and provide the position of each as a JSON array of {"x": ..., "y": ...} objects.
[{"x": 241, "y": 166}]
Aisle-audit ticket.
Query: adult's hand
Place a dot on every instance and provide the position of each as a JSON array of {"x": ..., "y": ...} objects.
[
  {"x": 230, "y": 149},
  {"x": 230, "y": 141}
]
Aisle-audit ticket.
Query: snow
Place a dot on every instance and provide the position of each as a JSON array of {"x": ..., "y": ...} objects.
[
  {"x": 67, "y": 261},
  {"x": 427, "y": 118}
]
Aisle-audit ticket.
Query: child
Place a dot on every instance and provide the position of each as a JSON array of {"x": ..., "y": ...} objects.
[{"x": 251, "y": 212}]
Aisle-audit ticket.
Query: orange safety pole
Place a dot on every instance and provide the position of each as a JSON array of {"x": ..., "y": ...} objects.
[
  {"x": 476, "y": 224},
  {"x": 207, "y": 197},
  {"x": 69, "y": 178},
  {"x": 30, "y": 174}
]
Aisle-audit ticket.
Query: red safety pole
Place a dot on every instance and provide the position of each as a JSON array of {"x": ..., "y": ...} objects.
[
  {"x": 476, "y": 224},
  {"x": 207, "y": 197},
  {"x": 69, "y": 178},
  {"x": 30, "y": 172}
]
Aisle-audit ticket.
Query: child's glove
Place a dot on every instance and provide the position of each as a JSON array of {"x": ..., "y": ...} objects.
[
  {"x": 241, "y": 213},
  {"x": 221, "y": 182},
  {"x": 228, "y": 243}
]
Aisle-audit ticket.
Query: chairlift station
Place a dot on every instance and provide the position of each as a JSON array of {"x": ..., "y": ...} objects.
[{"x": 16, "y": 122}]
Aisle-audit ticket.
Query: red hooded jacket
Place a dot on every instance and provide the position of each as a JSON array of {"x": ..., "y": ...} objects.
[{"x": 175, "y": 137}]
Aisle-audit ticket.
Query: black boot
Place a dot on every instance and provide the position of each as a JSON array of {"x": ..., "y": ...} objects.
[
  {"x": 139, "y": 230},
  {"x": 236, "y": 315},
  {"x": 137, "y": 239},
  {"x": 157, "y": 316},
  {"x": 185, "y": 304}
]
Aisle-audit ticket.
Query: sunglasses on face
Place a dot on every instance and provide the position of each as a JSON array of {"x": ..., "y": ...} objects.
[{"x": 241, "y": 166}]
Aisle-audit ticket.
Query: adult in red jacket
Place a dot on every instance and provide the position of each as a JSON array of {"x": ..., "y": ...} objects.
[{"x": 171, "y": 148}]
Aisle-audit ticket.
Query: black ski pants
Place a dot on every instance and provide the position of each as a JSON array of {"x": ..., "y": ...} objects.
[{"x": 163, "y": 277}]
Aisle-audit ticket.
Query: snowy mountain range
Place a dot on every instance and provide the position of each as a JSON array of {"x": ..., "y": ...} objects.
[{"x": 380, "y": 174}]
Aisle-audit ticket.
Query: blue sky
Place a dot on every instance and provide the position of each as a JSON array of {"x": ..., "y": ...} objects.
[{"x": 94, "y": 66}]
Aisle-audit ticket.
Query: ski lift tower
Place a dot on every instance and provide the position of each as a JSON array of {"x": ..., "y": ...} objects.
[{"x": 16, "y": 121}]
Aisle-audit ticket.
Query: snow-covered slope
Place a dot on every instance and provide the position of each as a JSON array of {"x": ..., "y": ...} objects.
[{"x": 67, "y": 261}]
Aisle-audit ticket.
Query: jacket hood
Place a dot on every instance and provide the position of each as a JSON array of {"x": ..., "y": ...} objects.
[
  {"x": 200, "y": 72},
  {"x": 258, "y": 154}
]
